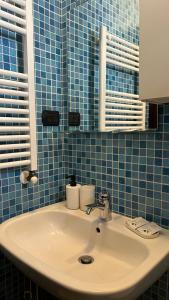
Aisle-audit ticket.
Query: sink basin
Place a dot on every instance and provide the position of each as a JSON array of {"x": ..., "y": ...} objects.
[{"x": 46, "y": 244}]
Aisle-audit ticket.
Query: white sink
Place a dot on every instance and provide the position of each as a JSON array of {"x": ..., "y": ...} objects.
[{"x": 46, "y": 245}]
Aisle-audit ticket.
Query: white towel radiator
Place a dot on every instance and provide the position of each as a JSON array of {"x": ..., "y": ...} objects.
[
  {"x": 119, "y": 111},
  {"x": 17, "y": 92}
]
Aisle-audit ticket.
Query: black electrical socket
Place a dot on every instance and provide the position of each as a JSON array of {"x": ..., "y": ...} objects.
[{"x": 50, "y": 118}]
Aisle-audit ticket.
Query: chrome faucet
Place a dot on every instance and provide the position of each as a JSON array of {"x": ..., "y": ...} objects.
[{"x": 104, "y": 204}]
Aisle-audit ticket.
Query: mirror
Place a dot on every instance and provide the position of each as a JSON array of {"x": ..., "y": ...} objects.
[
  {"x": 83, "y": 32},
  {"x": 82, "y": 50}
]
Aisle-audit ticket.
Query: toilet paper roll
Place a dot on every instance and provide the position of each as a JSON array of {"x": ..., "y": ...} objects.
[{"x": 87, "y": 195}]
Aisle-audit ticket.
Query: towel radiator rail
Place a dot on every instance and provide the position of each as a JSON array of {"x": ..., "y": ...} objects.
[
  {"x": 17, "y": 92},
  {"x": 119, "y": 111}
]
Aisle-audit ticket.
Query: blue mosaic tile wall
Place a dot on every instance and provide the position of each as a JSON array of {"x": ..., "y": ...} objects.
[{"x": 133, "y": 167}]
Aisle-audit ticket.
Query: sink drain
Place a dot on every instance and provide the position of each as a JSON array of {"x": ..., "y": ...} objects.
[{"x": 86, "y": 259}]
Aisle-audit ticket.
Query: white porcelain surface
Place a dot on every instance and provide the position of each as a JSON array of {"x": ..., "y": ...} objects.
[{"x": 47, "y": 243}]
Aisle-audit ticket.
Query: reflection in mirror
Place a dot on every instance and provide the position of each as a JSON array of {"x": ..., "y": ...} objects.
[{"x": 84, "y": 22}]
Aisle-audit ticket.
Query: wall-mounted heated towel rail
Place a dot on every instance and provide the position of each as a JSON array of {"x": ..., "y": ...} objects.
[
  {"x": 17, "y": 93},
  {"x": 119, "y": 111}
]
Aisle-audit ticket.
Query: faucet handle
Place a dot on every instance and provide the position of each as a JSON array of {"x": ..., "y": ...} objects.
[
  {"x": 103, "y": 196},
  {"x": 90, "y": 207}
]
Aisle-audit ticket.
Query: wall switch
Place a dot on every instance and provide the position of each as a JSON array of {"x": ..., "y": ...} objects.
[
  {"x": 74, "y": 119},
  {"x": 153, "y": 116}
]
